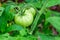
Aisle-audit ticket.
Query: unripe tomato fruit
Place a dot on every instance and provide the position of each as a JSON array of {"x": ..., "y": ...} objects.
[
  {"x": 33, "y": 11},
  {"x": 24, "y": 20}
]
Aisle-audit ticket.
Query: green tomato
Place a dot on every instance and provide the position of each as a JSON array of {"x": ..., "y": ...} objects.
[
  {"x": 33, "y": 11},
  {"x": 24, "y": 20}
]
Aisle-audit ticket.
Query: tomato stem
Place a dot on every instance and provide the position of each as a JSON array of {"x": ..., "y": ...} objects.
[{"x": 37, "y": 18}]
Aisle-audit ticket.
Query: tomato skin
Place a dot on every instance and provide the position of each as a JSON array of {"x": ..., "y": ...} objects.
[
  {"x": 33, "y": 11},
  {"x": 24, "y": 20}
]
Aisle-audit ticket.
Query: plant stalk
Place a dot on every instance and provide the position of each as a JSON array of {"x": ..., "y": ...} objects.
[{"x": 37, "y": 17}]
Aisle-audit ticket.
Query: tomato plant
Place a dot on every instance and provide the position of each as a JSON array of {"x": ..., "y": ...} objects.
[{"x": 29, "y": 19}]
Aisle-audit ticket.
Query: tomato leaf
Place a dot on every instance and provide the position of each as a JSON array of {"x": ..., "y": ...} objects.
[
  {"x": 9, "y": 12},
  {"x": 1, "y": 10},
  {"x": 14, "y": 27},
  {"x": 3, "y": 24},
  {"x": 55, "y": 21},
  {"x": 42, "y": 36},
  {"x": 57, "y": 38},
  {"x": 35, "y": 4},
  {"x": 50, "y": 13},
  {"x": 23, "y": 32},
  {"x": 52, "y": 3}
]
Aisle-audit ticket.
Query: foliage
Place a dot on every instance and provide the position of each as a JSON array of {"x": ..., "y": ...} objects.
[{"x": 45, "y": 25}]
